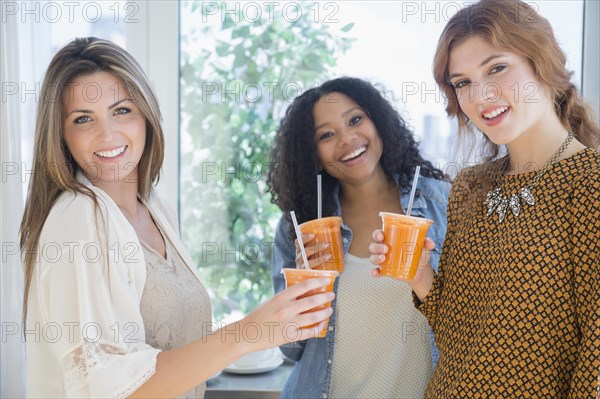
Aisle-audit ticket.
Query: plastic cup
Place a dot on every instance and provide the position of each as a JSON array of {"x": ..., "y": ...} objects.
[
  {"x": 327, "y": 230},
  {"x": 405, "y": 236},
  {"x": 295, "y": 276}
]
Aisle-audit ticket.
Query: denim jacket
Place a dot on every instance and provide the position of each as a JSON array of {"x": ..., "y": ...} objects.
[{"x": 311, "y": 377}]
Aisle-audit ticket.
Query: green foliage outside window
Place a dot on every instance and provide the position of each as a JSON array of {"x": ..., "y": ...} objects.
[{"x": 238, "y": 75}]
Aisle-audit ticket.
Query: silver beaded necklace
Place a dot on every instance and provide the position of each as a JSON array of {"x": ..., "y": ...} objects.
[{"x": 497, "y": 201}]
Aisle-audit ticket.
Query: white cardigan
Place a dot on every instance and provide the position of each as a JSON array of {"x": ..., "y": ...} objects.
[{"x": 85, "y": 334}]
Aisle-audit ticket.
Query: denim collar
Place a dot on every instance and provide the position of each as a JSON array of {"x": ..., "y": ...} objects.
[{"x": 419, "y": 203}]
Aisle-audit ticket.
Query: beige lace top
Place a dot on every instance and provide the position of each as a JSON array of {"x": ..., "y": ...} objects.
[{"x": 175, "y": 305}]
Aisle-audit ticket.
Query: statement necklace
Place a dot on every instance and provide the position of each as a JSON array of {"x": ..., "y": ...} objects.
[{"x": 497, "y": 201}]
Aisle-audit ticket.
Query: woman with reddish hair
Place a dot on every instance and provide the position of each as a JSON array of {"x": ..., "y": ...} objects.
[{"x": 515, "y": 304}]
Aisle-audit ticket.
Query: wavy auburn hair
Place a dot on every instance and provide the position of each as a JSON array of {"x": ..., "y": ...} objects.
[{"x": 515, "y": 26}]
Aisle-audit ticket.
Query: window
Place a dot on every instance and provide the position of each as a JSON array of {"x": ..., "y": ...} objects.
[
  {"x": 240, "y": 69},
  {"x": 242, "y": 63}
]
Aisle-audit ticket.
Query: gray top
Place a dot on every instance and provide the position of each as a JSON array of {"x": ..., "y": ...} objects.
[{"x": 367, "y": 362}]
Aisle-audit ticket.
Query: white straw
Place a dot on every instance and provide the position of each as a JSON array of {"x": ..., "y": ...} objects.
[
  {"x": 412, "y": 191},
  {"x": 319, "y": 198},
  {"x": 299, "y": 236}
]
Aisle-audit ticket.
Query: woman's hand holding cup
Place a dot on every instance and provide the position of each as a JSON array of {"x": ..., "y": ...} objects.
[
  {"x": 317, "y": 254},
  {"x": 423, "y": 279},
  {"x": 279, "y": 320}
]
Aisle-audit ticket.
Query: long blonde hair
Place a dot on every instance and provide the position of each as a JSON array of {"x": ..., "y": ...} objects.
[
  {"x": 54, "y": 170},
  {"x": 514, "y": 25}
]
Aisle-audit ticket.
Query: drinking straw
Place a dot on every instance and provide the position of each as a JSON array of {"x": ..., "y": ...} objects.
[
  {"x": 299, "y": 236},
  {"x": 412, "y": 191},
  {"x": 319, "y": 198}
]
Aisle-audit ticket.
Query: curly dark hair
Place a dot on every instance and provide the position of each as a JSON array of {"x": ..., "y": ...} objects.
[{"x": 294, "y": 163}]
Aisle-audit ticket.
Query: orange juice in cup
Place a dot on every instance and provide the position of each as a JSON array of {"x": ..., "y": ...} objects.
[
  {"x": 405, "y": 236},
  {"x": 327, "y": 230},
  {"x": 295, "y": 276}
]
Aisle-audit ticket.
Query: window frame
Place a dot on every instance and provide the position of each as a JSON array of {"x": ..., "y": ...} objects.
[
  {"x": 590, "y": 75},
  {"x": 153, "y": 40}
]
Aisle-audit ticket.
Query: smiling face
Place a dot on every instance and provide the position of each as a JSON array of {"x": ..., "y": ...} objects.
[
  {"x": 103, "y": 128},
  {"x": 498, "y": 91},
  {"x": 348, "y": 146}
]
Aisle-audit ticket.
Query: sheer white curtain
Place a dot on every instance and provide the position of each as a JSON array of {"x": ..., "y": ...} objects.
[{"x": 24, "y": 55}]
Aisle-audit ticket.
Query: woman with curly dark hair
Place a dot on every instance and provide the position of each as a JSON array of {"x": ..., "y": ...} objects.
[{"x": 377, "y": 345}]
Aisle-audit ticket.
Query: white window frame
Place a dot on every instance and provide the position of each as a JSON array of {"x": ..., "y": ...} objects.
[
  {"x": 590, "y": 76},
  {"x": 154, "y": 42}
]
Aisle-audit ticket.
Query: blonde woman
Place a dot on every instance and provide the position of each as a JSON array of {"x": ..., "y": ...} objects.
[
  {"x": 112, "y": 292},
  {"x": 515, "y": 306}
]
